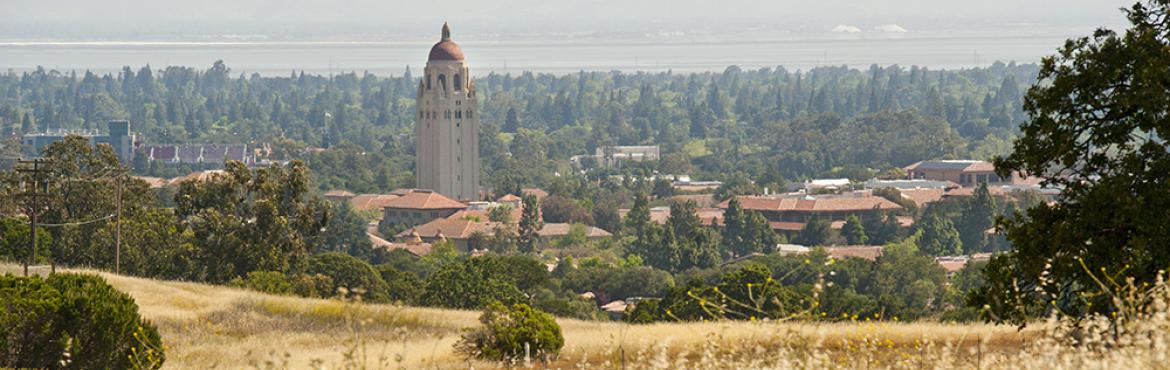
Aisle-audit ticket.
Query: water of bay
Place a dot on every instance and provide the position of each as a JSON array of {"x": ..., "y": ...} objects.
[{"x": 938, "y": 50}]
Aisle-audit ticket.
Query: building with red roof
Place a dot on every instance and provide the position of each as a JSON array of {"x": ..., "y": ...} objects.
[
  {"x": 418, "y": 207},
  {"x": 790, "y": 213}
]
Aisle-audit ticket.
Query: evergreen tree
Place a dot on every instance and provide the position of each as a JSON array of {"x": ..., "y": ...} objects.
[
  {"x": 978, "y": 216},
  {"x": 939, "y": 237},
  {"x": 816, "y": 231},
  {"x": 511, "y": 122},
  {"x": 854, "y": 231},
  {"x": 745, "y": 232},
  {"x": 638, "y": 217},
  {"x": 530, "y": 224}
]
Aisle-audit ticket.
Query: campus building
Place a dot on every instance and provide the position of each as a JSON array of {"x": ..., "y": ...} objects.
[{"x": 118, "y": 137}]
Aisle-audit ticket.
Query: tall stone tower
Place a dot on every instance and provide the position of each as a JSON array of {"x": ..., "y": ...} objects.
[{"x": 447, "y": 158}]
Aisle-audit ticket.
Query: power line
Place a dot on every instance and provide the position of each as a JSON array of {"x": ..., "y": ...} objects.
[{"x": 78, "y": 223}]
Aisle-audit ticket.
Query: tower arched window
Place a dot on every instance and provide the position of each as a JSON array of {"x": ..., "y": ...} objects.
[
  {"x": 428, "y": 81},
  {"x": 458, "y": 82},
  {"x": 443, "y": 82}
]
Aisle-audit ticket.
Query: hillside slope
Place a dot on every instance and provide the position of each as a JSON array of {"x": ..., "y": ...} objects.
[{"x": 205, "y": 326}]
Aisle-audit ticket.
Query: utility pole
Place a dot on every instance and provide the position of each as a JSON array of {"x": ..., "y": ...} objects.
[
  {"x": 34, "y": 210},
  {"x": 118, "y": 228}
]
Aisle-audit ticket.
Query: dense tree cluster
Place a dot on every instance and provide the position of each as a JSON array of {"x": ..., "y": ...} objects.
[{"x": 772, "y": 124}]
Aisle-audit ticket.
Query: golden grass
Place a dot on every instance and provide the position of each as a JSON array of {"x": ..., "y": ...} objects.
[{"x": 205, "y": 326}]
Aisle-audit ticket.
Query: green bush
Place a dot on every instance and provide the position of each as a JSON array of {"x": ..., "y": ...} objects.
[
  {"x": 28, "y": 337},
  {"x": 350, "y": 272},
  {"x": 271, "y": 282},
  {"x": 312, "y": 286},
  {"x": 512, "y": 334},
  {"x": 401, "y": 286},
  {"x": 74, "y": 319},
  {"x": 571, "y": 307},
  {"x": 14, "y": 239}
]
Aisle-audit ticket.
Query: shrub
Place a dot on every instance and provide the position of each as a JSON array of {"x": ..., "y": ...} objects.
[
  {"x": 27, "y": 322},
  {"x": 350, "y": 272},
  {"x": 76, "y": 319},
  {"x": 14, "y": 239},
  {"x": 401, "y": 286},
  {"x": 647, "y": 311},
  {"x": 271, "y": 282},
  {"x": 572, "y": 307},
  {"x": 512, "y": 334},
  {"x": 312, "y": 286}
]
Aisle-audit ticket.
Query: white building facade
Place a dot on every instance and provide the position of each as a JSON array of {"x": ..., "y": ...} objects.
[{"x": 447, "y": 128}]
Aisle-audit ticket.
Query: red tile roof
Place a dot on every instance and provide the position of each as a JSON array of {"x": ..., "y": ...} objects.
[
  {"x": 338, "y": 193},
  {"x": 416, "y": 248},
  {"x": 370, "y": 202},
  {"x": 562, "y": 229},
  {"x": 786, "y": 226},
  {"x": 815, "y": 204},
  {"x": 864, "y": 251},
  {"x": 980, "y": 167},
  {"x": 449, "y": 228},
  {"x": 923, "y": 196},
  {"x": 508, "y": 198},
  {"x": 424, "y": 199}
]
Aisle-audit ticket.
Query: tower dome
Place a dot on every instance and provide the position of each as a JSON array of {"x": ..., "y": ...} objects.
[{"x": 446, "y": 49}]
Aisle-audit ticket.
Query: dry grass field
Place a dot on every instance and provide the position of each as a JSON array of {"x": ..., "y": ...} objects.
[{"x": 205, "y": 326}]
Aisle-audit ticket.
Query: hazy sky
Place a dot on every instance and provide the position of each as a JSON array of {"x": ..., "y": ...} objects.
[{"x": 116, "y": 19}]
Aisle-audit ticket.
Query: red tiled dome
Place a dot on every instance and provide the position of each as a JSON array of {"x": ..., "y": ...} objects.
[{"x": 446, "y": 49}]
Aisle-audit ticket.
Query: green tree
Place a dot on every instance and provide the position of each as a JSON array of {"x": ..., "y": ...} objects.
[
  {"x": 687, "y": 243},
  {"x": 346, "y": 232},
  {"x": 85, "y": 194},
  {"x": 663, "y": 188},
  {"x": 530, "y": 224},
  {"x": 745, "y": 232},
  {"x": 512, "y": 334},
  {"x": 978, "y": 216},
  {"x": 854, "y": 231},
  {"x": 401, "y": 286},
  {"x": 907, "y": 285},
  {"x": 349, "y": 272},
  {"x": 881, "y": 228},
  {"x": 560, "y": 209},
  {"x": 816, "y": 231},
  {"x": 511, "y": 121},
  {"x": 638, "y": 217},
  {"x": 939, "y": 237},
  {"x": 250, "y": 220},
  {"x": 1096, "y": 130},
  {"x": 14, "y": 241},
  {"x": 501, "y": 214},
  {"x": 471, "y": 284}
]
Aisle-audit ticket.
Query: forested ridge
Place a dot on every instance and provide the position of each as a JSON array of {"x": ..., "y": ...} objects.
[{"x": 770, "y": 124}]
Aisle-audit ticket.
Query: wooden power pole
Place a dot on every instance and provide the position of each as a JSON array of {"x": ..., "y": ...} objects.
[
  {"x": 118, "y": 228},
  {"x": 34, "y": 209}
]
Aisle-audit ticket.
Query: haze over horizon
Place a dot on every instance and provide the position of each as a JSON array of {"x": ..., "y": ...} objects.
[{"x": 134, "y": 20}]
